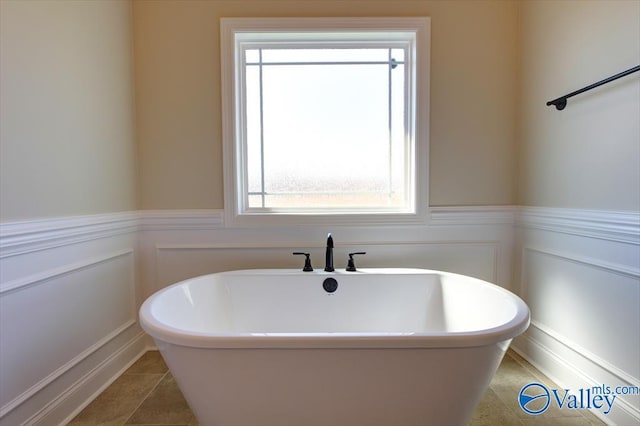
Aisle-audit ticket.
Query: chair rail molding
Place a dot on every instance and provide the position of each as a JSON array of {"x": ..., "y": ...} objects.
[
  {"x": 32, "y": 235},
  {"x": 608, "y": 225}
]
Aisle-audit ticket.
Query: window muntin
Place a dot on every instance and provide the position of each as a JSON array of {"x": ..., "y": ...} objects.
[{"x": 265, "y": 139}]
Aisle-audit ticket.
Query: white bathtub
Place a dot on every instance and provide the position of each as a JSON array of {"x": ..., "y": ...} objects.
[{"x": 388, "y": 347}]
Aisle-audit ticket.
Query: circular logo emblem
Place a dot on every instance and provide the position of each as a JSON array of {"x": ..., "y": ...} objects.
[{"x": 534, "y": 398}]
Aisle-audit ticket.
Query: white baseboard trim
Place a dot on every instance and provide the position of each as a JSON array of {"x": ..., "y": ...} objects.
[
  {"x": 46, "y": 381},
  {"x": 112, "y": 367},
  {"x": 579, "y": 351},
  {"x": 563, "y": 372}
]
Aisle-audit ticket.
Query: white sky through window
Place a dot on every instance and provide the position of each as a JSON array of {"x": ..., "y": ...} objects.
[{"x": 325, "y": 127}]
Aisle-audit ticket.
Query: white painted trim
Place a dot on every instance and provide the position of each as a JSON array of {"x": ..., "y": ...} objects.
[
  {"x": 608, "y": 267},
  {"x": 473, "y": 215},
  {"x": 547, "y": 361},
  {"x": 584, "y": 353},
  {"x": 25, "y": 236},
  {"x": 273, "y": 245},
  {"x": 28, "y": 236},
  {"x": 607, "y": 241},
  {"x": 136, "y": 345},
  {"x": 438, "y": 216},
  {"x": 232, "y": 127},
  {"x": 608, "y": 225},
  {"x": 8, "y": 407},
  {"x": 493, "y": 270},
  {"x": 586, "y": 261},
  {"x": 41, "y": 277}
]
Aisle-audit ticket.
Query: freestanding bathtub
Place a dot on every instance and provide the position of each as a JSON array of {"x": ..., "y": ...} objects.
[{"x": 387, "y": 347}]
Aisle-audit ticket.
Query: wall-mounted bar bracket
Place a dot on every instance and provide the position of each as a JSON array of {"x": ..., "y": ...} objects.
[{"x": 561, "y": 102}]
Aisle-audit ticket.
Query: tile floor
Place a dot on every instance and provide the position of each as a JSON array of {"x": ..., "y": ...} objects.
[{"x": 146, "y": 394}]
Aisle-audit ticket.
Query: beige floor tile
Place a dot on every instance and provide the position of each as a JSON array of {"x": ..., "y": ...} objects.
[
  {"x": 164, "y": 406},
  {"x": 118, "y": 401},
  {"x": 492, "y": 411},
  {"x": 511, "y": 375},
  {"x": 510, "y": 399},
  {"x": 592, "y": 417},
  {"x": 149, "y": 363},
  {"x": 557, "y": 421}
]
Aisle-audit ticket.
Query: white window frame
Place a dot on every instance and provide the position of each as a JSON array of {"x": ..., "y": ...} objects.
[{"x": 232, "y": 30}]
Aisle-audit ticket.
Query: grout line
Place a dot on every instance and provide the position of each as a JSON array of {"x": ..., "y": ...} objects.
[{"x": 142, "y": 401}]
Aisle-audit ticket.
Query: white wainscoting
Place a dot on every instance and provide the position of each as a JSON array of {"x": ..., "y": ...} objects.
[
  {"x": 475, "y": 241},
  {"x": 579, "y": 272},
  {"x": 70, "y": 288},
  {"x": 68, "y": 313}
]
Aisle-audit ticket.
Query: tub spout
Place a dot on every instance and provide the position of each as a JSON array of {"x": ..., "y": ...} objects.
[{"x": 329, "y": 255}]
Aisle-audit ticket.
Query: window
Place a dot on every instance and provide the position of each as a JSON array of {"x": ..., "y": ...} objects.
[{"x": 325, "y": 119}]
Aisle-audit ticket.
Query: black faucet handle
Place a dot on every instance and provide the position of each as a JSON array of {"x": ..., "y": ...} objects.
[
  {"x": 307, "y": 260},
  {"x": 351, "y": 265}
]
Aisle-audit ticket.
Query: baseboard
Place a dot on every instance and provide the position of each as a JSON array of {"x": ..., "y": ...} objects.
[
  {"x": 70, "y": 403},
  {"x": 561, "y": 366}
]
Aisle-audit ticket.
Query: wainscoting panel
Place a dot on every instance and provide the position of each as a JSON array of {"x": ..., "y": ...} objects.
[
  {"x": 178, "y": 262},
  {"x": 582, "y": 302},
  {"x": 473, "y": 241},
  {"x": 580, "y": 275},
  {"x": 68, "y": 314}
]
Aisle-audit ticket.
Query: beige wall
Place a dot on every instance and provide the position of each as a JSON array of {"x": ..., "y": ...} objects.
[
  {"x": 473, "y": 94},
  {"x": 67, "y": 142},
  {"x": 67, "y": 110},
  {"x": 588, "y": 155}
]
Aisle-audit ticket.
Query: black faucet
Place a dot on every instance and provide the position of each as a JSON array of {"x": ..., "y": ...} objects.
[
  {"x": 351, "y": 265},
  {"x": 329, "y": 254}
]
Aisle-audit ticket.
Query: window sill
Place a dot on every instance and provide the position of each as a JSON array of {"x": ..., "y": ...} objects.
[{"x": 254, "y": 220}]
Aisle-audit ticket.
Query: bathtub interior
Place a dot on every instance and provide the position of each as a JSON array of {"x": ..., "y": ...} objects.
[{"x": 370, "y": 301}]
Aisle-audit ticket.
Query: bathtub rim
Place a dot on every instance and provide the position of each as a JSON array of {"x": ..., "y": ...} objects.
[{"x": 162, "y": 332}]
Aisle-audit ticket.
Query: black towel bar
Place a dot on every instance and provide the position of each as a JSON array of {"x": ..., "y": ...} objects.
[{"x": 561, "y": 102}]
